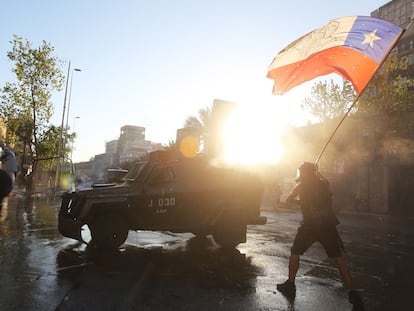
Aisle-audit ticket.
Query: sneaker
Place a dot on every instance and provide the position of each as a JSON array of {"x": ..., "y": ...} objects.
[
  {"x": 356, "y": 301},
  {"x": 287, "y": 288}
]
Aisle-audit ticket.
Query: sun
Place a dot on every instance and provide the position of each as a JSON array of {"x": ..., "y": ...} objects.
[
  {"x": 256, "y": 132},
  {"x": 252, "y": 136}
]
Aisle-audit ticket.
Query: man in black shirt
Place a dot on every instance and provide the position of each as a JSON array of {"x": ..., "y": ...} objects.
[{"x": 319, "y": 225}]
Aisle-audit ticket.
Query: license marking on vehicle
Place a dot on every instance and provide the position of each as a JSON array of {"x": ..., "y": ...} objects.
[{"x": 162, "y": 202}]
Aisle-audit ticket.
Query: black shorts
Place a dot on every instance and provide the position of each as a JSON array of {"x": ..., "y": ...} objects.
[{"x": 328, "y": 236}]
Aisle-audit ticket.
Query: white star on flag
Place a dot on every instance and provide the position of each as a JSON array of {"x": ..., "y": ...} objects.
[
  {"x": 371, "y": 38},
  {"x": 351, "y": 46}
]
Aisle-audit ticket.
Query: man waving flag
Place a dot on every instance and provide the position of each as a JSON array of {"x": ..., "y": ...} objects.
[{"x": 353, "y": 47}]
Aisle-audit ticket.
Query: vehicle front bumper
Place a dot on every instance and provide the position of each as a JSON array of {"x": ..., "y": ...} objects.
[
  {"x": 69, "y": 224},
  {"x": 70, "y": 227}
]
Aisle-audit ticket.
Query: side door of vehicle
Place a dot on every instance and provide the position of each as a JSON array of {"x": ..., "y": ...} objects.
[{"x": 161, "y": 199}]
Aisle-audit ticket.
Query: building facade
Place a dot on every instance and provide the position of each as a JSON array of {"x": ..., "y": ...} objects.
[
  {"x": 129, "y": 147},
  {"x": 132, "y": 144},
  {"x": 401, "y": 13}
]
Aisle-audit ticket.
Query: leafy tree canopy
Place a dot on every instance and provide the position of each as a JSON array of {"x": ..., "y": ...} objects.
[
  {"x": 329, "y": 100},
  {"x": 25, "y": 104},
  {"x": 202, "y": 123},
  {"x": 388, "y": 91}
]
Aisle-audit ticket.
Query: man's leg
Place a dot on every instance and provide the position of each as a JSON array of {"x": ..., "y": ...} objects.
[
  {"x": 288, "y": 288},
  {"x": 303, "y": 240},
  {"x": 344, "y": 271},
  {"x": 354, "y": 297},
  {"x": 293, "y": 267}
]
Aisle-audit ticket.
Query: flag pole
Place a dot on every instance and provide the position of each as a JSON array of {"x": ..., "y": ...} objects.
[
  {"x": 359, "y": 96},
  {"x": 336, "y": 128}
]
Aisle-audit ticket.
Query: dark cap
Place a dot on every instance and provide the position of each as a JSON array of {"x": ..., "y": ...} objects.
[{"x": 308, "y": 167}]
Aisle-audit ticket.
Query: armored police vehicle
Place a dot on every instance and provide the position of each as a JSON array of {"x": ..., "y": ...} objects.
[{"x": 166, "y": 193}]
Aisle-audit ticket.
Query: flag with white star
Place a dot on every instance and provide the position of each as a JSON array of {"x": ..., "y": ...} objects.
[{"x": 353, "y": 47}]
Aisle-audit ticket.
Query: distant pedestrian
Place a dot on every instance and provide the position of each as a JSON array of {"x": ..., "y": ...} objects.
[
  {"x": 5, "y": 186},
  {"x": 319, "y": 225},
  {"x": 8, "y": 161}
]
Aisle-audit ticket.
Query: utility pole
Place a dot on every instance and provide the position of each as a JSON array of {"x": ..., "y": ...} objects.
[
  {"x": 60, "y": 146},
  {"x": 69, "y": 98}
]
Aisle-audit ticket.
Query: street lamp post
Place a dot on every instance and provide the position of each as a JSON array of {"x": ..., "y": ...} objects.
[
  {"x": 61, "y": 144},
  {"x": 59, "y": 155},
  {"x": 73, "y": 143},
  {"x": 69, "y": 97}
]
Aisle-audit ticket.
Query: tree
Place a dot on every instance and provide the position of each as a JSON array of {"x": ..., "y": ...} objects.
[
  {"x": 209, "y": 126},
  {"x": 171, "y": 145},
  {"x": 25, "y": 105},
  {"x": 329, "y": 100},
  {"x": 202, "y": 124},
  {"x": 388, "y": 91},
  {"x": 48, "y": 146},
  {"x": 387, "y": 110}
]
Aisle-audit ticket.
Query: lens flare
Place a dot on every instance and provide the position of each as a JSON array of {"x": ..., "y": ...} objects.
[{"x": 189, "y": 146}]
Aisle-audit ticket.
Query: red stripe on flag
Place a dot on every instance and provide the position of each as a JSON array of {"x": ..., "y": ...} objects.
[{"x": 351, "y": 64}]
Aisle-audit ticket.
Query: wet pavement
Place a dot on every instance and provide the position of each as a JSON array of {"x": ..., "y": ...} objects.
[{"x": 41, "y": 270}]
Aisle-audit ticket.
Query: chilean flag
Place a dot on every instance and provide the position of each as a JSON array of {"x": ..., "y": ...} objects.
[{"x": 353, "y": 47}]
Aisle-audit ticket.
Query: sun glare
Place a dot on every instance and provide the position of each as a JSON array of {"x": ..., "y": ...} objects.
[
  {"x": 253, "y": 136},
  {"x": 253, "y": 133}
]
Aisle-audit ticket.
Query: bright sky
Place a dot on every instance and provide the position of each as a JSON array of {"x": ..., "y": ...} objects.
[{"x": 154, "y": 63}]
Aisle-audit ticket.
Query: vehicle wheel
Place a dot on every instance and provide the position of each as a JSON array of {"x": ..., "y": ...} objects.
[
  {"x": 228, "y": 234},
  {"x": 108, "y": 231}
]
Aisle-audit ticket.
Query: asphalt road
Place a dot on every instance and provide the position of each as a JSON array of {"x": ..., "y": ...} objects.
[{"x": 41, "y": 270}]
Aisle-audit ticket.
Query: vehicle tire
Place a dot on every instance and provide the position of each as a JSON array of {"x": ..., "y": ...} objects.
[
  {"x": 228, "y": 234},
  {"x": 108, "y": 231}
]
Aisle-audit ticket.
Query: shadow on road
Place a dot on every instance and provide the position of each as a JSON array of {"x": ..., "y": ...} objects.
[
  {"x": 199, "y": 258},
  {"x": 197, "y": 275}
]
